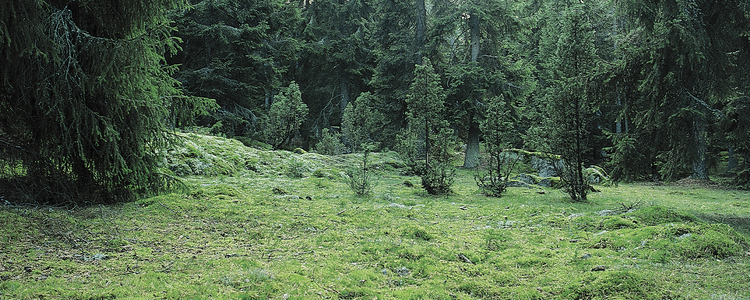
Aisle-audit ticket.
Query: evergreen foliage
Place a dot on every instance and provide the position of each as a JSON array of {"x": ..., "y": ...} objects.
[
  {"x": 571, "y": 71},
  {"x": 395, "y": 57},
  {"x": 236, "y": 52},
  {"x": 497, "y": 130},
  {"x": 336, "y": 60},
  {"x": 360, "y": 178},
  {"x": 87, "y": 97},
  {"x": 427, "y": 141},
  {"x": 330, "y": 144},
  {"x": 361, "y": 121},
  {"x": 285, "y": 117},
  {"x": 679, "y": 64}
]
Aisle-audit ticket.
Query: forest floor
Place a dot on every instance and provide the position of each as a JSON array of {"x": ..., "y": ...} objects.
[{"x": 247, "y": 227}]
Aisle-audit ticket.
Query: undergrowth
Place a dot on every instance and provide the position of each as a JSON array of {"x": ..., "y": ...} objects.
[{"x": 248, "y": 228}]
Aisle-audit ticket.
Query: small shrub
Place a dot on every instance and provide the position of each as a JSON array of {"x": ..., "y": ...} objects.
[
  {"x": 285, "y": 117},
  {"x": 360, "y": 178},
  {"x": 296, "y": 167},
  {"x": 360, "y": 121},
  {"x": 495, "y": 179},
  {"x": 416, "y": 232},
  {"x": 330, "y": 143},
  {"x": 279, "y": 191},
  {"x": 438, "y": 178},
  {"x": 498, "y": 132}
]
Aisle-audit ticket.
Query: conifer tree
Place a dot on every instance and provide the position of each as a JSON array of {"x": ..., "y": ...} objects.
[
  {"x": 87, "y": 96},
  {"x": 427, "y": 141},
  {"x": 239, "y": 53},
  {"x": 570, "y": 96},
  {"x": 285, "y": 117},
  {"x": 498, "y": 133},
  {"x": 677, "y": 68},
  {"x": 361, "y": 120}
]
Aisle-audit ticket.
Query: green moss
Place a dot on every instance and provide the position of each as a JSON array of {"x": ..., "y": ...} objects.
[
  {"x": 612, "y": 285},
  {"x": 654, "y": 215},
  {"x": 617, "y": 222},
  {"x": 416, "y": 232},
  {"x": 710, "y": 240},
  {"x": 233, "y": 237}
]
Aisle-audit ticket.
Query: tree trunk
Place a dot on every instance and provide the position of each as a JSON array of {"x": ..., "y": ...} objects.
[
  {"x": 732, "y": 163},
  {"x": 344, "y": 94},
  {"x": 700, "y": 170},
  {"x": 421, "y": 20},
  {"x": 471, "y": 159},
  {"x": 474, "y": 33},
  {"x": 268, "y": 100}
]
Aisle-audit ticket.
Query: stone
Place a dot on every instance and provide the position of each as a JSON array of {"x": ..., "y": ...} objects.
[
  {"x": 545, "y": 182},
  {"x": 599, "y": 268},
  {"x": 516, "y": 183},
  {"x": 524, "y": 178},
  {"x": 544, "y": 167}
]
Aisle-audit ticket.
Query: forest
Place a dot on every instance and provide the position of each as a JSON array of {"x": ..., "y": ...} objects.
[
  {"x": 374, "y": 149},
  {"x": 648, "y": 91}
]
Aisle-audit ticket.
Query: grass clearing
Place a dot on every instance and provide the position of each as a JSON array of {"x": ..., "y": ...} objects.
[{"x": 249, "y": 228}]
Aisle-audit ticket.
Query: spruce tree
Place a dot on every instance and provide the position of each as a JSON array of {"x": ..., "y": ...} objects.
[
  {"x": 360, "y": 122},
  {"x": 285, "y": 117},
  {"x": 427, "y": 140},
  {"x": 570, "y": 96},
  {"x": 87, "y": 96},
  {"x": 499, "y": 135}
]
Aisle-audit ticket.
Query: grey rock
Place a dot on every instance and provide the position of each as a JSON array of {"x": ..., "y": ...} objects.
[
  {"x": 545, "y": 182},
  {"x": 524, "y": 178},
  {"x": 544, "y": 167},
  {"x": 402, "y": 271},
  {"x": 599, "y": 268},
  {"x": 516, "y": 183}
]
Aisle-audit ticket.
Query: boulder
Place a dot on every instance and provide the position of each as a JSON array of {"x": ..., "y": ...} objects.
[
  {"x": 525, "y": 178},
  {"x": 545, "y": 182},
  {"x": 544, "y": 166},
  {"x": 516, "y": 183}
]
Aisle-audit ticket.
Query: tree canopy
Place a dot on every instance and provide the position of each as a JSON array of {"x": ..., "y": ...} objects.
[
  {"x": 87, "y": 95},
  {"x": 647, "y": 90}
]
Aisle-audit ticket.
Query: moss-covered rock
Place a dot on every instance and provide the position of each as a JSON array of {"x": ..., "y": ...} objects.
[
  {"x": 654, "y": 215},
  {"x": 205, "y": 155}
]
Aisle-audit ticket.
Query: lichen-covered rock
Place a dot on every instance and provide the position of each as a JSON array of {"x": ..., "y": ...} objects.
[
  {"x": 525, "y": 178},
  {"x": 544, "y": 166}
]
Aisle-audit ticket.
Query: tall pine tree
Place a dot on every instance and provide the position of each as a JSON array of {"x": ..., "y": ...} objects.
[{"x": 86, "y": 96}]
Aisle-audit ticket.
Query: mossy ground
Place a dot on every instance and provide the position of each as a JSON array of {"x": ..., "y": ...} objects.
[{"x": 251, "y": 228}]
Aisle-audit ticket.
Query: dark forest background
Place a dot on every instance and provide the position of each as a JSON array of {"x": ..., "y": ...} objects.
[{"x": 648, "y": 90}]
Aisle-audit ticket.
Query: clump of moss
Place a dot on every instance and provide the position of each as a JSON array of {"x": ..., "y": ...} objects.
[
  {"x": 710, "y": 240},
  {"x": 674, "y": 241},
  {"x": 416, "y": 232},
  {"x": 617, "y": 222},
  {"x": 619, "y": 284},
  {"x": 654, "y": 215}
]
